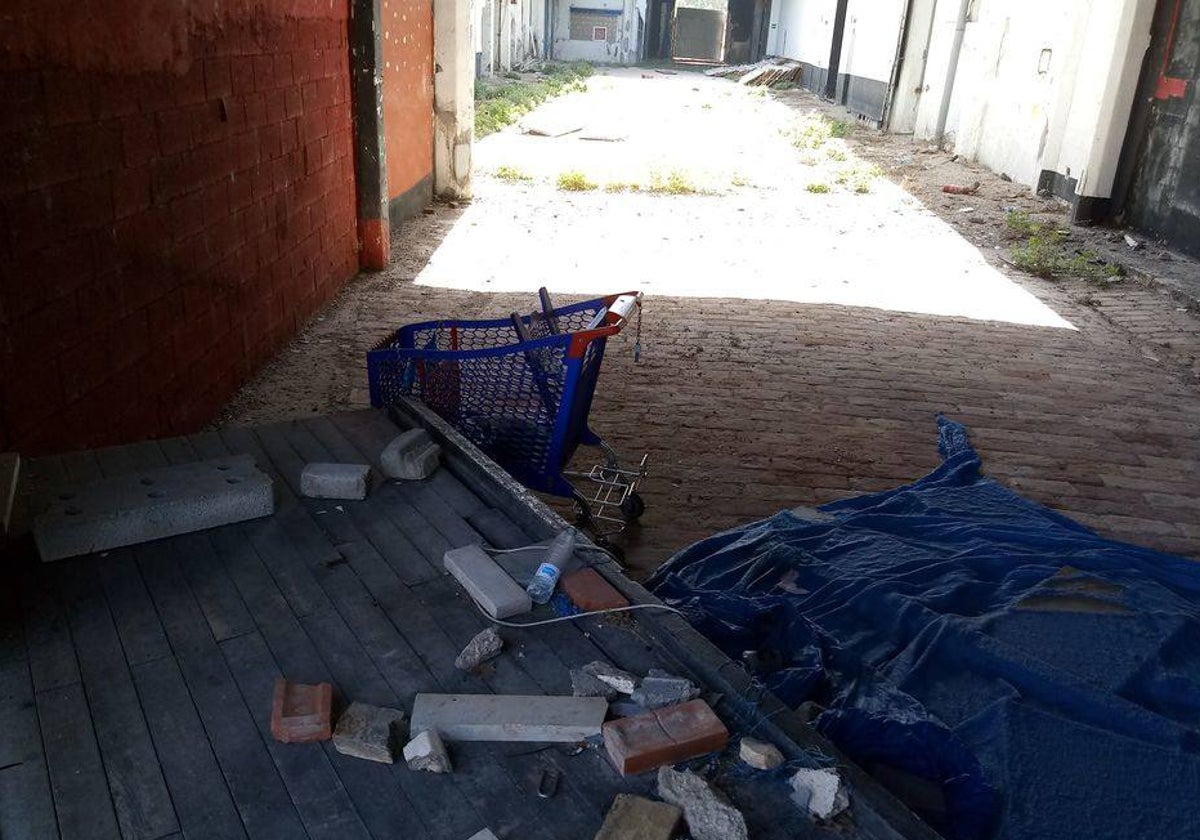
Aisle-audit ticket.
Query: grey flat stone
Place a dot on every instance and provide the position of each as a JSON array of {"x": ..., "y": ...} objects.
[
  {"x": 660, "y": 689},
  {"x": 485, "y": 834},
  {"x": 335, "y": 481},
  {"x": 709, "y": 816},
  {"x": 584, "y": 684},
  {"x": 622, "y": 681},
  {"x": 369, "y": 732},
  {"x": 486, "y": 645},
  {"x": 152, "y": 504},
  {"x": 426, "y": 751},
  {"x": 411, "y": 456},
  {"x": 503, "y": 717},
  {"x": 487, "y": 583},
  {"x": 10, "y": 470}
]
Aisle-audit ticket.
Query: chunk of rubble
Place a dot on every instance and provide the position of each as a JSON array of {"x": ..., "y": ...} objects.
[
  {"x": 759, "y": 754},
  {"x": 660, "y": 688},
  {"x": 820, "y": 792},
  {"x": 427, "y": 752},
  {"x": 622, "y": 681},
  {"x": 708, "y": 814},
  {"x": 411, "y": 456},
  {"x": 368, "y": 732},
  {"x": 486, "y": 645},
  {"x": 584, "y": 684}
]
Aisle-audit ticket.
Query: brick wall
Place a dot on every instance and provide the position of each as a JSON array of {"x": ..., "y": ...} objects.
[{"x": 177, "y": 198}]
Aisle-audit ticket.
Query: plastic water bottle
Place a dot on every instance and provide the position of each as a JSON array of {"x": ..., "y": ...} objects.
[{"x": 546, "y": 577}]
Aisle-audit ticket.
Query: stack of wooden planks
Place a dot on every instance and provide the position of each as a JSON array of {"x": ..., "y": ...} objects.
[{"x": 769, "y": 71}]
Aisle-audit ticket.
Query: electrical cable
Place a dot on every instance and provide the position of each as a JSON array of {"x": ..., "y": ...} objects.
[{"x": 574, "y": 617}]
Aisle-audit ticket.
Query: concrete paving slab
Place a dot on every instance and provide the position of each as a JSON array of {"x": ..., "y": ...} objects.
[
  {"x": 490, "y": 717},
  {"x": 488, "y": 584}
]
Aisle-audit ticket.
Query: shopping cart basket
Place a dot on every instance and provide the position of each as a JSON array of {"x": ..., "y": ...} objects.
[{"x": 520, "y": 389}]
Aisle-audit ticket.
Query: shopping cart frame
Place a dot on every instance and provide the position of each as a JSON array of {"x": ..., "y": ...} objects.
[{"x": 552, "y": 358}]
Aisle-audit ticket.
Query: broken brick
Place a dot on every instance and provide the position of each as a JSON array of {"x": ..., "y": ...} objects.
[
  {"x": 589, "y": 591},
  {"x": 664, "y": 736},
  {"x": 301, "y": 713}
]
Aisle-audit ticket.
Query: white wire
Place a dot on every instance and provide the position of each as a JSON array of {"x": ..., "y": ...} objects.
[{"x": 545, "y": 621}]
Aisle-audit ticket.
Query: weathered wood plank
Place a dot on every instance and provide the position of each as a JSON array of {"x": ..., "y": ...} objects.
[{"x": 26, "y": 806}]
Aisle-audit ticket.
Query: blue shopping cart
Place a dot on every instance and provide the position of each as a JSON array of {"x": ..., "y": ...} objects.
[{"x": 520, "y": 388}]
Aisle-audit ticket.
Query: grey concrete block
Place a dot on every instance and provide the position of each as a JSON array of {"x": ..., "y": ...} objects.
[
  {"x": 505, "y": 717},
  {"x": 369, "y": 732},
  {"x": 152, "y": 504},
  {"x": 335, "y": 481},
  {"x": 426, "y": 751},
  {"x": 487, "y": 583},
  {"x": 411, "y": 456},
  {"x": 709, "y": 815},
  {"x": 10, "y": 470},
  {"x": 486, "y": 645}
]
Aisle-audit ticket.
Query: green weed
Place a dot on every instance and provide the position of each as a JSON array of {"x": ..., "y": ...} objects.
[
  {"x": 575, "y": 181},
  {"x": 499, "y": 105},
  {"x": 512, "y": 174},
  {"x": 1045, "y": 251},
  {"x": 818, "y": 188}
]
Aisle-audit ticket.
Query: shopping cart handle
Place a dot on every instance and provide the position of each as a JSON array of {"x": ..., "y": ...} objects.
[{"x": 624, "y": 305}]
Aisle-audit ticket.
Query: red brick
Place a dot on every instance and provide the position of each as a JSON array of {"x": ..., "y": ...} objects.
[
  {"x": 664, "y": 736},
  {"x": 589, "y": 591},
  {"x": 694, "y": 724}
]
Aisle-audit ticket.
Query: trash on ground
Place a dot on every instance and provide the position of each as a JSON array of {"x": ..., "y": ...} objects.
[{"x": 961, "y": 189}]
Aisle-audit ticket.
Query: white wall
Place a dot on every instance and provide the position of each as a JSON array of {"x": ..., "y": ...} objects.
[
  {"x": 624, "y": 50},
  {"x": 871, "y": 37},
  {"x": 802, "y": 30},
  {"x": 1041, "y": 85},
  {"x": 507, "y": 33}
]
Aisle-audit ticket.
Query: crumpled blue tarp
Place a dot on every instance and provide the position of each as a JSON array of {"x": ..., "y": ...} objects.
[{"x": 1044, "y": 678}]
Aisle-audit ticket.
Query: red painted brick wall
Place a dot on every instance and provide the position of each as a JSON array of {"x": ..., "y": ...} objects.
[{"x": 177, "y": 198}]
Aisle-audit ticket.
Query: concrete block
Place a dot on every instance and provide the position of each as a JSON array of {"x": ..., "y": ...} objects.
[
  {"x": 664, "y": 736},
  {"x": 759, "y": 754},
  {"x": 368, "y": 732},
  {"x": 411, "y": 456},
  {"x": 660, "y": 689},
  {"x": 708, "y": 814},
  {"x": 635, "y": 818},
  {"x": 622, "y": 681},
  {"x": 10, "y": 471},
  {"x": 426, "y": 751},
  {"x": 488, "y": 584},
  {"x": 506, "y": 717},
  {"x": 152, "y": 504},
  {"x": 300, "y": 713},
  {"x": 335, "y": 481},
  {"x": 820, "y": 792},
  {"x": 589, "y": 591},
  {"x": 486, "y": 645}
]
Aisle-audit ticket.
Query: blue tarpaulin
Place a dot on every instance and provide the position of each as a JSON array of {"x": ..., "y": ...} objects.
[{"x": 1044, "y": 679}]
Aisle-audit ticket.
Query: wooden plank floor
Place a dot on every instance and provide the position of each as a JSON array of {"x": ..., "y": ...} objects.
[{"x": 135, "y": 685}]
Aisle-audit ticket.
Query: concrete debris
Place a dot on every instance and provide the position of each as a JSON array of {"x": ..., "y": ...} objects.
[
  {"x": 301, "y": 713},
  {"x": 809, "y": 710},
  {"x": 820, "y": 792},
  {"x": 759, "y": 754},
  {"x": 498, "y": 594},
  {"x": 1135, "y": 244},
  {"x": 485, "y": 834},
  {"x": 709, "y": 816},
  {"x": 152, "y": 504},
  {"x": 660, "y": 689},
  {"x": 486, "y": 645},
  {"x": 368, "y": 732},
  {"x": 584, "y": 684},
  {"x": 508, "y": 717},
  {"x": 411, "y": 456},
  {"x": 634, "y": 818},
  {"x": 622, "y": 681},
  {"x": 334, "y": 481},
  {"x": 427, "y": 752}
]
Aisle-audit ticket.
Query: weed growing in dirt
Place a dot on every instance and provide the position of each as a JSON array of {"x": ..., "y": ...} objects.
[
  {"x": 1046, "y": 252},
  {"x": 622, "y": 187},
  {"x": 835, "y": 153},
  {"x": 674, "y": 183},
  {"x": 739, "y": 180},
  {"x": 858, "y": 177},
  {"x": 496, "y": 107},
  {"x": 512, "y": 174},
  {"x": 818, "y": 189},
  {"x": 575, "y": 181},
  {"x": 841, "y": 128}
]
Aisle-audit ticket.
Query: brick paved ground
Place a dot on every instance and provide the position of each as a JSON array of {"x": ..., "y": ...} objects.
[{"x": 750, "y": 406}]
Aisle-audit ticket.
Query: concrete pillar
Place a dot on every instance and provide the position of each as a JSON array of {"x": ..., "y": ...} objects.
[
  {"x": 370, "y": 151},
  {"x": 453, "y": 98}
]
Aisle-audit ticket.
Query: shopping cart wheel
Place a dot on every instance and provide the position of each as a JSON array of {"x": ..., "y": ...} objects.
[{"x": 633, "y": 507}]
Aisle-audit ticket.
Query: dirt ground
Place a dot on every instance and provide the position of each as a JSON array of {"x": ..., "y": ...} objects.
[{"x": 810, "y": 308}]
